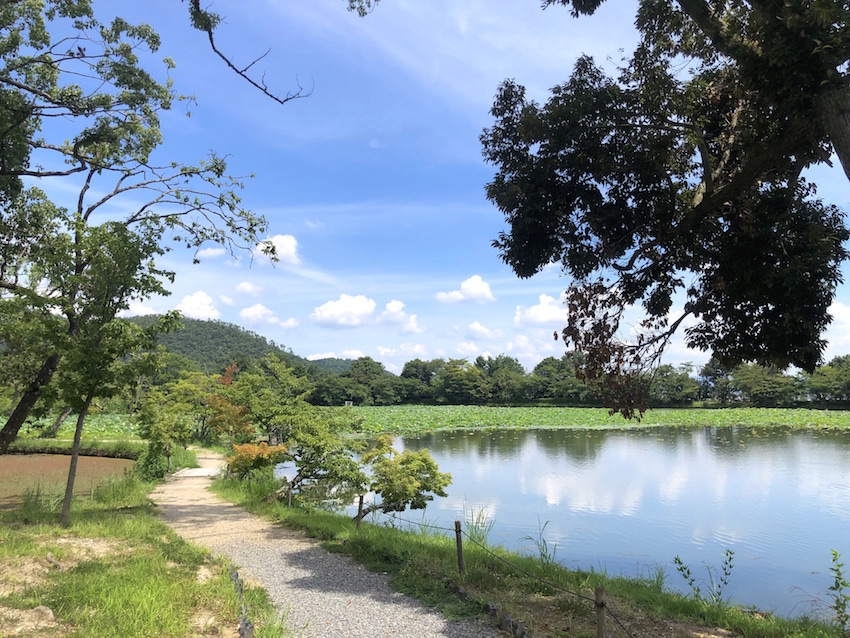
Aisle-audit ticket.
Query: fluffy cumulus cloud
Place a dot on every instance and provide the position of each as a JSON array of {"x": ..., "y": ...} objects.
[
  {"x": 137, "y": 309},
  {"x": 247, "y": 288},
  {"x": 321, "y": 355},
  {"x": 406, "y": 350},
  {"x": 395, "y": 314},
  {"x": 473, "y": 289},
  {"x": 258, "y": 313},
  {"x": 467, "y": 349},
  {"x": 548, "y": 311},
  {"x": 198, "y": 305},
  {"x": 352, "y": 354},
  {"x": 227, "y": 301},
  {"x": 481, "y": 332},
  {"x": 345, "y": 312},
  {"x": 210, "y": 253},
  {"x": 530, "y": 352},
  {"x": 286, "y": 247}
]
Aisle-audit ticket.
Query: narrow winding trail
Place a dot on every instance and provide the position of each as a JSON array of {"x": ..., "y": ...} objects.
[{"x": 324, "y": 595}]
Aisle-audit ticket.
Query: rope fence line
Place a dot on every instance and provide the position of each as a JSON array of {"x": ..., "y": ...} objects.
[
  {"x": 598, "y": 601},
  {"x": 246, "y": 627}
]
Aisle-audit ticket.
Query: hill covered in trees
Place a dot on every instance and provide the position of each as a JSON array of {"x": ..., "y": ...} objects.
[{"x": 213, "y": 345}]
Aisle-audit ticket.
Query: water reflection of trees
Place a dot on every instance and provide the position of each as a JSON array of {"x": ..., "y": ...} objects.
[{"x": 585, "y": 445}]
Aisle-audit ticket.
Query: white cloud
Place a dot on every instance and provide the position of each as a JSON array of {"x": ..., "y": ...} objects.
[
  {"x": 347, "y": 311},
  {"x": 290, "y": 323},
  {"x": 548, "y": 311},
  {"x": 838, "y": 332},
  {"x": 482, "y": 332},
  {"x": 323, "y": 355},
  {"x": 473, "y": 289},
  {"x": 137, "y": 309},
  {"x": 210, "y": 253},
  {"x": 530, "y": 352},
  {"x": 198, "y": 305},
  {"x": 352, "y": 354},
  {"x": 467, "y": 348},
  {"x": 395, "y": 314},
  {"x": 247, "y": 288},
  {"x": 227, "y": 301},
  {"x": 258, "y": 313},
  {"x": 286, "y": 247},
  {"x": 387, "y": 352}
]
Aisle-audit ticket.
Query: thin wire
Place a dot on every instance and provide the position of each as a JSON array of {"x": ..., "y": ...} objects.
[
  {"x": 525, "y": 573},
  {"x": 517, "y": 568},
  {"x": 611, "y": 613}
]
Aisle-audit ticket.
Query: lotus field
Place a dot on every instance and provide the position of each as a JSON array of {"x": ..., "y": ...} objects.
[{"x": 417, "y": 418}]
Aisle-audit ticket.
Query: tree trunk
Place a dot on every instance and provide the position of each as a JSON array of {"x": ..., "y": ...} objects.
[
  {"x": 65, "y": 518},
  {"x": 28, "y": 399},
  {"x": 16, "y": 394},
  {"x": 59, "y": 421},
  {"x": 834, "y": 111}
]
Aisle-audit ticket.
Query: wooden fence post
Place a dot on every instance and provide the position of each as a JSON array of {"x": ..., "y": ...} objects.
[
  {"x": 359, "y": 512},
  {"x": 459, "y": 538},
  {"x": 600, "y": 611}
]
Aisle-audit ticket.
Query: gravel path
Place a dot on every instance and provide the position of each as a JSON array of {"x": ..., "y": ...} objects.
[{"x": 325, "y": 595}]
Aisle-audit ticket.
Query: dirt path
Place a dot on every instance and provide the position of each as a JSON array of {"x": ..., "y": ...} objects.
[{"x": 324, "y": 595}]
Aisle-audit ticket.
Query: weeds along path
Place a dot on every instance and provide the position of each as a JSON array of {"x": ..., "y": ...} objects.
[{"x": 323, "y": 595}]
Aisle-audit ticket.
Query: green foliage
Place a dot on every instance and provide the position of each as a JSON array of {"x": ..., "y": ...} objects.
[
  {"x": 661, "y": 183},
  {"x": 69, "y": 272},
  {"x": 420, "y": 418},
  {"x": 214, "y": 345},
  {"x": 153, "y": 464},
  {"x": 717, "y": 580},
  {"x": 839, "y": 593},
  {"x": 402, "y": 480},
  {"x": 249, "y": 457}
]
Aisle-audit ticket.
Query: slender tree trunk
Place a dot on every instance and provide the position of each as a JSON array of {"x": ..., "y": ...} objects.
[
  {"x": 59, "y": 421},
  {"x": 65, "y": 518},
  {"x": 834, "y": 111},
  {"x": 27, "y": 401},
  {"x": 16, "y": 394}
]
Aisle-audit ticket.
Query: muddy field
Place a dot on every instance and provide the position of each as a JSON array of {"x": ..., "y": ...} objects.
[{"x": 19, "y": 473}]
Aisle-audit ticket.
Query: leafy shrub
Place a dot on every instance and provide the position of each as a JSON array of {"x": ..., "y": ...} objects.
[
  {"x": 250, "y": 456},
  {"x": 153, "y": 464}
]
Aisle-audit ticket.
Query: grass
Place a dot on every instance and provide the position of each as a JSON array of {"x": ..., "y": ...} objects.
[
  {"x": 533, "y": 589},
  {"x": 118, "y": 571}
]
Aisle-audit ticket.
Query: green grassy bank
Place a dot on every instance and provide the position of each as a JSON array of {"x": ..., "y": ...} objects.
[
  {"x": 118, "y": 571},
  {"x": 550, "y": 600}
]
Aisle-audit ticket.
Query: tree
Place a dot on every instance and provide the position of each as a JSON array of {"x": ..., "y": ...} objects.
[
  {"x": 92, "y": 81},
  {"x": 715, "y": 382},
  {"x": 684, "y": 175},
  {"x": 764, "y": 386},
  {"x": 459, "y": 383},
  {"x": 402, "y": 480},
  {"x": 671, "y": 385},
  {"x": 100, "y": 361}
]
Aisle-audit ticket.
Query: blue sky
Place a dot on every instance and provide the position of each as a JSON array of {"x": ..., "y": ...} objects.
[{"x": 374, "y": 184}]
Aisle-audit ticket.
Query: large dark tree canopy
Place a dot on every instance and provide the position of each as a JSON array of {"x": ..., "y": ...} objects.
[{"x": 683, "y": 176}]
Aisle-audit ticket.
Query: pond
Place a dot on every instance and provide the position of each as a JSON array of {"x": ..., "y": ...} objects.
[
  {"x": 19, "y": 473},
  {"x": 629, "y": 501}
]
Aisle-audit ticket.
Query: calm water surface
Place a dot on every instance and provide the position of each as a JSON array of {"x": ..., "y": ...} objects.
[{"x": 629, "y": 500}]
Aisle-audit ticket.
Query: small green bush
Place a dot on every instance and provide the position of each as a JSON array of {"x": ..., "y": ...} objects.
[{"x": 152, "y": 465}]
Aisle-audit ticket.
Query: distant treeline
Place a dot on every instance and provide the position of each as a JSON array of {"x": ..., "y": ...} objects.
[{"x": 211, "y": 346}]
